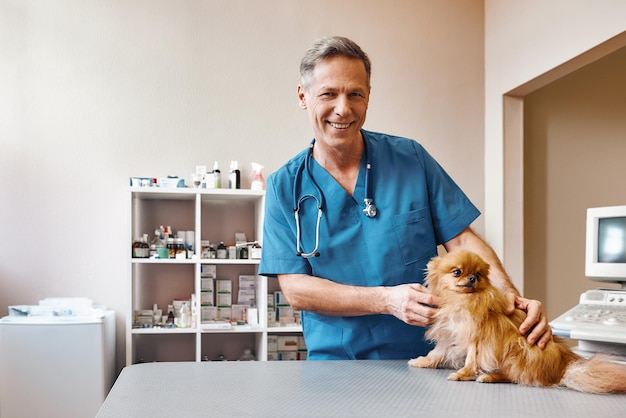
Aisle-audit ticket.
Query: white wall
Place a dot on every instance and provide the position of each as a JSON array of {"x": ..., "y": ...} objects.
[
  {"x": 574, "y": 151},
  {"x": 523, "y": 41},
  {"x": 93, "y": 92}
]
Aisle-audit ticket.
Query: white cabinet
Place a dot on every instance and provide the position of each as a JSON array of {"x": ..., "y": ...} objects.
[{"x": 214, "y": 215}]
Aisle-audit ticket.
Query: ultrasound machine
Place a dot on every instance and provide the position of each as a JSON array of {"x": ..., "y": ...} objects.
[{"x": 598, "y": 322}]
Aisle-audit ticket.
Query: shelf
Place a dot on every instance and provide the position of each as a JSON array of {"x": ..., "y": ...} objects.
[
  {"x": 214, "y": 215},
  {"x": 278, "y": 330},
  {"x": 235, "y": 329},
  {"x": 195, "y": 261},
  {"x": 163, "y": 331},
  {"x": 162, "y": 261},
  {"x": 180, "y": 193}
]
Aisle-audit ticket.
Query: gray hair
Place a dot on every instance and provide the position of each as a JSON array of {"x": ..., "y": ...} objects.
[{"x": 328, "y": 47}]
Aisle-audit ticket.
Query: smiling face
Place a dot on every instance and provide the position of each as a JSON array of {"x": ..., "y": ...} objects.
[{"x": 336, "y": 100}]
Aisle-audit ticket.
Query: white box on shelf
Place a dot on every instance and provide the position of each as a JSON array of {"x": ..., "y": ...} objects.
[
  {"x": 224, "y": 300},
  {"x": 239, "y": 314},
  {"x": 208, "y": 271},
  {"x": 272, "y": 343},
  {"x": 287, "y": 343},
  {"x": 206, "y": 298},
  {"x": 208, "y": 313},
  {"x": 207, "y": 284},
  {"x": 247, "y": 281},
  {"x": 224, "y": 313},
  {"x": 224, "y": 286}
]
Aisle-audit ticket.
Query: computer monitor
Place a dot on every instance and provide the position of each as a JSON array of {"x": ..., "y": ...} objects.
[{"x": 605, "y": 255}]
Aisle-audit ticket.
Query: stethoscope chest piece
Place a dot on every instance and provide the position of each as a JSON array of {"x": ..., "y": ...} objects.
[{"x": 370, "y": 209}]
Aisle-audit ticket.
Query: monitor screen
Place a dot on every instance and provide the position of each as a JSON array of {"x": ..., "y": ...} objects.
[
  {"x": 612, "y": 240},
  {"x": 605, "y": 251}
]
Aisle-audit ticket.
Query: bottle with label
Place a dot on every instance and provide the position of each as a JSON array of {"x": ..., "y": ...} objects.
[
  {"x": 136, "y": 248},
  {"x": 170, "y": 322},
  {"x": 156, "y": 243},
  {"x": 172, "y": 247},
  {"x": 217, "y": 176},
  {"x": 212, "y": 252},
  {"x": 179, "y": 248},
  {"x": 145, "y": 246},
  {"x": 185, "y": 316},
  {"x": 221, "y": 251},
  {"x": 141, "y": 249},
  {"x": 234, "y": 176}
]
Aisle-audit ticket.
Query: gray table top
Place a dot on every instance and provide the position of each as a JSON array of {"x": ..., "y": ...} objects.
[{"x": 370, "y": 388}]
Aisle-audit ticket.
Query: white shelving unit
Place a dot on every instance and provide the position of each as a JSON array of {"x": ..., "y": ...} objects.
[{"x": 214, "y": 215}]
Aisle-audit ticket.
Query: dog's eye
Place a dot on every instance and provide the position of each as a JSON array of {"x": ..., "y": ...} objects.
[
  {"x": 456, "y": 272},
  {"x": 478, "y": 275}
]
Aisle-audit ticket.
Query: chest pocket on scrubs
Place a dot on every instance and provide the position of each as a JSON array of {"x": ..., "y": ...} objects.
[{"x": 414, "y": 235}]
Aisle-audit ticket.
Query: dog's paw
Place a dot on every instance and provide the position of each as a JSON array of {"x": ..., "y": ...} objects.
[
  {"x": 421, "y": 362},
  {"x": 461, "y": 375},
  {"x": 492, "y": 378}
]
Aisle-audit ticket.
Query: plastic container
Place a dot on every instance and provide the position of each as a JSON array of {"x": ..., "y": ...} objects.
[{"x": 247, "y": 355}]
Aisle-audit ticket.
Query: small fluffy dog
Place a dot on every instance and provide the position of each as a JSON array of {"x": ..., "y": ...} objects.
[{"x": 474, "y": 335}]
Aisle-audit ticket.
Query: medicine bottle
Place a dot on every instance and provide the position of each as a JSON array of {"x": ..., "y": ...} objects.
[
  {"x": 247, "y": 355},
  {"x": 185, "y": 316},
  {"x": 221, "y": 250},
  {"x": 179, "y": 247},
  {"x": 205, "y": 246},
  {"x": 170, "y": 322},
  {"x": 141, "y": 249},
  {"x": 172, "y": 247},
  {"x": 136, "y": 248},
  {"x": 217, "y": 176},
  {"x": 234, "y": 176}
]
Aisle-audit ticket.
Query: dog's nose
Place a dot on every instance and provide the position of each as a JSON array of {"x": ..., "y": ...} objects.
[{"x": 472, "y": 279}]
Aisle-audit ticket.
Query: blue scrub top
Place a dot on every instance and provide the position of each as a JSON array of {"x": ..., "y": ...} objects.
[{"x": 419, "y": 207}]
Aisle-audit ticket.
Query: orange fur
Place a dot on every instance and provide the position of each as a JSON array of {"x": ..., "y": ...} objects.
[{"x": 474, "y": 334}]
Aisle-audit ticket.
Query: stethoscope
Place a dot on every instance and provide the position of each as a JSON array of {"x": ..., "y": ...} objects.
[{"x": 370, "y": 210}]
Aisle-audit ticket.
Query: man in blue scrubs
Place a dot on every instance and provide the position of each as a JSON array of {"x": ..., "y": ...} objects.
[{"x": 357, "y": 278}]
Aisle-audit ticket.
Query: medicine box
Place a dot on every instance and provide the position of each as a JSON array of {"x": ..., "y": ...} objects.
[
  {"x": 224, "y": 300},
  {"x": 287, "y": 343},
  {"x": 207, "y": 284},
  {"x": 206, "y": 298},
  {"x": 208, "y": 313},
  {"x": 239, "y": 314},
  {"x": 208, "y": 271},
  {"x": 247, "y": 282},
  {"x": 285, "y": 314},
  {"x": 301, "y": 343},
  {"x": 224, "y": 313},
  {"x": 172, "y": 182},
  {"x": 247, "y": 297},
  {"x": 271, "y": 318},
  {"x": 280, "y": 299},
  {"x": 224, "y": 286},
  {"x": 272, "y": 343},
  {"x": 288, "y": 355}
]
